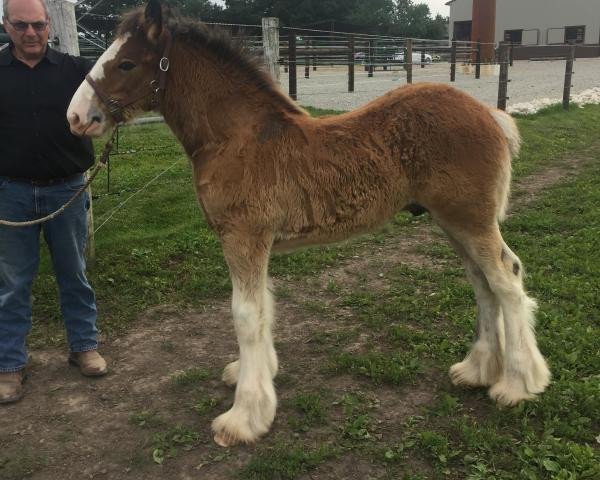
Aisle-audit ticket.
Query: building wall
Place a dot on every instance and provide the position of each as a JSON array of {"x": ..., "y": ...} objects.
[
  {"x": 460, "y": 11},
  {"x": 548, "y": 14}
]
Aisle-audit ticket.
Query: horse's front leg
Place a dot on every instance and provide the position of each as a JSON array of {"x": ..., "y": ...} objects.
[{"x": 255, "y": 401}]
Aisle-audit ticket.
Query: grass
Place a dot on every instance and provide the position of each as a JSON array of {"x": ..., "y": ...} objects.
[
  {"x": 191, "y": 377},
  {"x": 158, "y": 249}
]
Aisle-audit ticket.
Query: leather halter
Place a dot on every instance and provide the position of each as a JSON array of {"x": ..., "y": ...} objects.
[{"x": 116, "y": 107}]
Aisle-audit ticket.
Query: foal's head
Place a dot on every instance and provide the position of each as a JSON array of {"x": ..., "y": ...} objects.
[{"x": 125, "y": 79}]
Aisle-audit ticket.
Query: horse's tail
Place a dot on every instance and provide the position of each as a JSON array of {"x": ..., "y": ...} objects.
[
  {"x": 513, "y": 138},
  {"x": 510, "y": 129}
]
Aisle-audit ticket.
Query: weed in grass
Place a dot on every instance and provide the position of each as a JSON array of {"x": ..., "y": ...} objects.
[
  {"x": 319, "y": 308},
  {"x": 394, "y": 369},
  {"x": 312, "y": 411},
  {"x": 358, "y": 427},
  {"x": 146, "y": 419},
  {"x": 191, "y": 376},
  {"x": 204, "y": 405},
  {"x": 285, "y": 462},
  {"x": 438, "y": 447},
  {"x": 166, "y": 445},
  {"x": 334, "y": 339},
  {"x": 446, "y": 406}
]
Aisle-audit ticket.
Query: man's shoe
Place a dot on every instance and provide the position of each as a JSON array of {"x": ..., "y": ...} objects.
[
  {"x": 90, "y": 363},
  {"x": 11, "y": 386}
]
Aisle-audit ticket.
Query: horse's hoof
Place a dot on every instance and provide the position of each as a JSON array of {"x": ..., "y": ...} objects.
[
  {"x": 468, "y": 373},
  {"x": 224, "y": 440},
  {"x": 463, "y": 373},
  {"x": 235, "y": 426},
  {"x": 508, "y": 394}
]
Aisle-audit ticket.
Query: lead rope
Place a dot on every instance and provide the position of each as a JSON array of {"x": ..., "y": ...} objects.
[{"x": 101, "y": 163}]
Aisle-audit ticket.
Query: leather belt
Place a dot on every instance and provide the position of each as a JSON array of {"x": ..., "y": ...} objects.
[{"x": 44, "y": 182}]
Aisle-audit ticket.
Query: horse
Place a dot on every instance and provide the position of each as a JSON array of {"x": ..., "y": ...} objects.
[{"x": 269, "y": 177}]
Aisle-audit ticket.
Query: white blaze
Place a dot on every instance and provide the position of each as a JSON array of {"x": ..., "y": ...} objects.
[{"x": 82, "y": 101}]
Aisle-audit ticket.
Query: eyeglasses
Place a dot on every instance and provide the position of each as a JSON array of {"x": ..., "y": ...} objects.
[{"x": 23, "y": 26}]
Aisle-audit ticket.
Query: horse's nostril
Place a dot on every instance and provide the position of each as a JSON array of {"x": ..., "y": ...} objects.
[
  {"x": 74, "y": 119},
  {"x": 96, "y": 118}
]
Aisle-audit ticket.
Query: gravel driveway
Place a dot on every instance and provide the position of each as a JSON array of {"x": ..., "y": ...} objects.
[{"x": 328, "y": 86}]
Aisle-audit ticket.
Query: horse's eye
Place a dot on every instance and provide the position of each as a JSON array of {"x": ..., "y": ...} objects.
[{"x": 126, "y": 66}]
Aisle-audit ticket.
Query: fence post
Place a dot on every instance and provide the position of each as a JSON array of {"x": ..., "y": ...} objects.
[
  {"x": 511, "y": 54},
  {"x": 453, "y": 60},
  {"x": 270, "y": 35},
  {"x": 314, "y": 57},
  {"x": 351, "y": 63},
  {"x": 568, "y": 75},
  {"x": 408, "y": 60},
  {"x": 503, "y": 80},
  {"x": 478, "y": 61},
  {"x": 370, "y": 58},
  {"x": 292, "y": 65},
  {"x": 306, "y": 59},
  {"x": 422, "y": 58}
]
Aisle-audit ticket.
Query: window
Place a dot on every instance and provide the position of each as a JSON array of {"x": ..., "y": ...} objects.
[
  {"x": 513, "y": 36},
  {"x": 575, "y": 34},
  {"x": 462, "y": 31}
]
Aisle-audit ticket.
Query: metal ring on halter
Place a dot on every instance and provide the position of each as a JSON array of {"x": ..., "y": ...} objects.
[
  {"x": 164, "y": 64},
  {"x": 154, "y": 85}
]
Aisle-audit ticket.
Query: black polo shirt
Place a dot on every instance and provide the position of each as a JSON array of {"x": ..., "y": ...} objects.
[{"x": 35, "y": 140}]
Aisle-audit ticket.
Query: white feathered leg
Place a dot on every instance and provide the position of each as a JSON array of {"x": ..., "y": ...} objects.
[{"x": 255, "y": 401}]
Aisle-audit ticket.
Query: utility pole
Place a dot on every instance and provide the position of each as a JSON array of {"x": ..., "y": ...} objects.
[{"x": 63, "y": 35}]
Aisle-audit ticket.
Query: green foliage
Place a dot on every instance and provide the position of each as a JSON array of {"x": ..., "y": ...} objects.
[
  {"x": 191, "y": 376},
  {"x": 311, "y": 411},
  {"x": 166, "y": 445},
  {"x": 146, "y": 419},
  {"x": 285, "y": 462},
  {"x": 205, "y": 405},
  {"x": 383, "y": 17},
  {"x": 394, "y": 369}
]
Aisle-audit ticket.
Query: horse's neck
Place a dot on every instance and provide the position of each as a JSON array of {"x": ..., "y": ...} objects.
[{"x": 207, "y": 104}]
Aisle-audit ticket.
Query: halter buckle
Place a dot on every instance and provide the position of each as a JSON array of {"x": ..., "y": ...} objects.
[{"x": 164, "y": 64}]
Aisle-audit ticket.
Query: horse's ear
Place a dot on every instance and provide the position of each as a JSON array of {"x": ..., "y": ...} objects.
[{"x": 153, "y": 16}]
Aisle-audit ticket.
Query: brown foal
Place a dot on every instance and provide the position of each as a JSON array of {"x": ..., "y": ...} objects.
[{"x": 270, "y": 177}]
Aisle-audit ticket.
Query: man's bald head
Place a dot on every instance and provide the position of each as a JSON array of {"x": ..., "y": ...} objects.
[{"x": 6, "y": 3}]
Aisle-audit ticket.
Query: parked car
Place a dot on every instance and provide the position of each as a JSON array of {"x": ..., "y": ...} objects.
[{"x": 416, "y": 57}]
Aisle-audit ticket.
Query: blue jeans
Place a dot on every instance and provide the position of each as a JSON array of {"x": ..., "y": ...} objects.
[{"x": 19, "y": 260}]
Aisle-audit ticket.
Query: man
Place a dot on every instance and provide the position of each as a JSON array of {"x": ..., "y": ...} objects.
[{"x": 41, "y": 166}]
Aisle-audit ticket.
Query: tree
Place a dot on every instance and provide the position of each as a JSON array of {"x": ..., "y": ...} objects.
[{"x": 384, "y": 17}]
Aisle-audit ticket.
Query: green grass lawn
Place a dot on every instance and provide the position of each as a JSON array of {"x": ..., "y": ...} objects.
[{"x": 158, "y": 249}]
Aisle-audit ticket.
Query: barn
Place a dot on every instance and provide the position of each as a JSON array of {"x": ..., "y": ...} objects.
[{"x": 529, "y": 23}]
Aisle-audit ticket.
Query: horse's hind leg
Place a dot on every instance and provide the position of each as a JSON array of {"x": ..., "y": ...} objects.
[
  {"x": 483, "y": 364},
  {"x": 524, "y": 370},
  {"x": 255, "y": 401}
]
